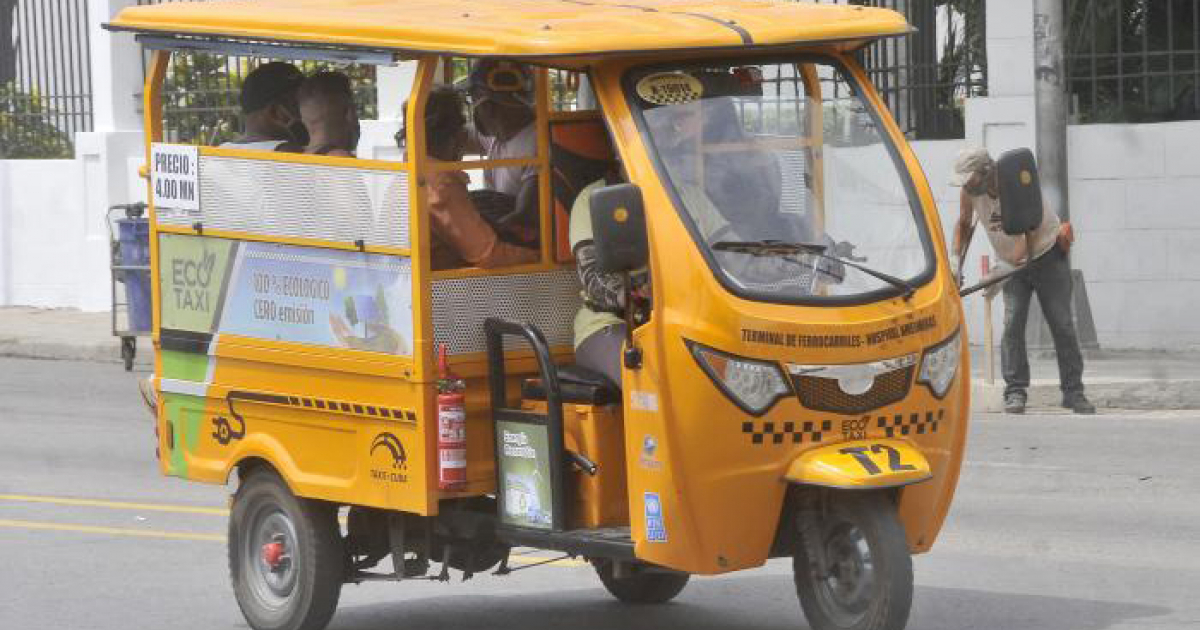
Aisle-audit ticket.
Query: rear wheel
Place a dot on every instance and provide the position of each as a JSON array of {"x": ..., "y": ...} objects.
[
  {"x": 643, "y": 585},
  {"x": 285, "y": 556},
  {"x": 852, "y": 566}
]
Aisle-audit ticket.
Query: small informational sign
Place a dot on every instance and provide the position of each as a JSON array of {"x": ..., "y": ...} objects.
[
  {"x": 656, "y": 529},
  {"x": 175, "y": 175},
  {"x": 525, "y": 475}
]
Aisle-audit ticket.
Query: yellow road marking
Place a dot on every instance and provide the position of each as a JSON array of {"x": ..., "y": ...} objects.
[
  {"x": 148, "y": 533},
  {"x": 116, "y": 505},
  {"x": 115, "y": 531}
]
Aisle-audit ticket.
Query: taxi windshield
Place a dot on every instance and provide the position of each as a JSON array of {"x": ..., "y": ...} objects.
[{"x": 785, "y": 178}]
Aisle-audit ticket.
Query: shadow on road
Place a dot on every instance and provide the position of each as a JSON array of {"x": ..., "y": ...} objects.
[{"x": 757, "y": 602}]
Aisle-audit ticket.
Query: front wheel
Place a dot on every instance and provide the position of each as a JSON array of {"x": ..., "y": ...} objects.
[
  {"x": 852, "y": 567},
  {"x": 285, "y": 556},
  {"x": 643, "y": 585}
]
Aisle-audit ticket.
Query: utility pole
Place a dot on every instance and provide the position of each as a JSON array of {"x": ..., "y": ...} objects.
[{"x": 1050, "y": 95}]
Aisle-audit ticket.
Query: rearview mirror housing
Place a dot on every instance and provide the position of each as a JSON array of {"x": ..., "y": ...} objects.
[
  {"x": 1020, "y": 192},
  {"x": 619, "y": 228}
]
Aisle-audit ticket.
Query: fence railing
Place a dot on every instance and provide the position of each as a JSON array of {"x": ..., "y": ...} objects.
[
  {"x": 200, "y": 95},
  {"x": 1133, "y": 60},
  {"x": 45, "y": 77},
  {"x": 925, "y": 76}
]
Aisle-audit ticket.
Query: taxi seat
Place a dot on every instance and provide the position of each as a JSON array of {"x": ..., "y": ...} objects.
[{"x": 579, "y": 385}]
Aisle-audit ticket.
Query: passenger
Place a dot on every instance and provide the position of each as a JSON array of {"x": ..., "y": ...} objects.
[
  {"x": 270, "y": 114},
  {"x": 461, "y": 234},
  {"x": 327, "y": 109},
  {"x": 502, "y": 109}
]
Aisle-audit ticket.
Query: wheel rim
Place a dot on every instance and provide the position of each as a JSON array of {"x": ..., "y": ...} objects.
[
  {"x": 269, "y": 559},
  {"x": 846, "y": 584}
]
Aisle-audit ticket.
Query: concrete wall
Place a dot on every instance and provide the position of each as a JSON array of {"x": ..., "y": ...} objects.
[
  {"x": 1135, "y": 201},
  {"x": 44, "y": 225}
]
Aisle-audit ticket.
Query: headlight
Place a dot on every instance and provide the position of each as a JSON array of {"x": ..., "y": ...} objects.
[
  {"x": 940, "y": 364},
  {"x": 752, "y": 385}
]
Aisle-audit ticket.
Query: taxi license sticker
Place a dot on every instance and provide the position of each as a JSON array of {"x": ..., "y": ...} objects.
[
  {"x": 669, "y": 88},
  {"x": 656, "y": 529}
]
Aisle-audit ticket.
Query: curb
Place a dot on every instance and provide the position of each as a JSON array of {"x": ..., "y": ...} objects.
[
  {"x": 1110, "y": 393},
  {"x": 108, "y": 351}
]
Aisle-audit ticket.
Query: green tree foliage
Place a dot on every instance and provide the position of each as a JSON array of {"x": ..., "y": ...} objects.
[{"x": 25, "y": 128}]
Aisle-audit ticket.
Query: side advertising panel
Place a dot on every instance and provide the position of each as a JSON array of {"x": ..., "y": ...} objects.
[{"x": 333, "y": 298}]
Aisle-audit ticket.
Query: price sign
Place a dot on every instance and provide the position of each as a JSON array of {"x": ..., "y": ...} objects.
[{"x": 175, "y": 173}]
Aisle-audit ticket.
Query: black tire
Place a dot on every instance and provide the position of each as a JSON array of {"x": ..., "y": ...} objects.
[
  {"x": 643, "y": 587},
  {"x": 868, "y": 583},
  {"x": 128, "y": 352},
  {"x": 304, "y": 594}
]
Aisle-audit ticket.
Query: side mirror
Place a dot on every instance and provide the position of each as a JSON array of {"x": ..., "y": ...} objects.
[
  {"x": 619, "y": 228},
  {"x": 1020, "y": 192}
]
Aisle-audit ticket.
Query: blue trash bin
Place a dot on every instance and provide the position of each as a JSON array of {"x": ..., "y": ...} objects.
[{"x": 134, "y": 238}]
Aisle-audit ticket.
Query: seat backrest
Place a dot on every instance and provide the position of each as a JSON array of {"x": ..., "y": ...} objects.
[{"x": 580, "y": 153}]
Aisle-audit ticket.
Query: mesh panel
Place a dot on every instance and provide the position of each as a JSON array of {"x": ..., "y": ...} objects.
[
  {"x": 824, "y": 394},
  {"x": 795, "y": 190},
  {"x": 300, "y": 201},
  {"x": 547, "y": 300}
]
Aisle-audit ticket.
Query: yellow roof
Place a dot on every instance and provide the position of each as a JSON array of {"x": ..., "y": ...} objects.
[{"x": 539, "y": 28}]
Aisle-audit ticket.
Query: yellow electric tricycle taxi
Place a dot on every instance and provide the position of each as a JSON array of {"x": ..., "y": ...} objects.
[{"x": 793, "y": 375}]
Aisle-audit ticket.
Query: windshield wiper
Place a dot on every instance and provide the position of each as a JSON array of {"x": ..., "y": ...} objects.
[{"x": 784, "y": 248}]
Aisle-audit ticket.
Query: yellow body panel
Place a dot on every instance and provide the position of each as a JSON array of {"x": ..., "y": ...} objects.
[
  {"x": 322, "y": 416},
  {"x": 519, "y": 27},
  {"x": 860, "y": 464}
]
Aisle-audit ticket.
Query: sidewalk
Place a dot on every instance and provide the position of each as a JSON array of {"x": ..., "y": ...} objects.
[
  {"x": 62, "y": 333},
  {"x": 1123, "y": 379}
]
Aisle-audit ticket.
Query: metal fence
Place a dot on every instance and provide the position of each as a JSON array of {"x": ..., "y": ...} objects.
[
  {"x": 200, "y": 94},
  {"x": 45, "y": 77},
  {"x": 925, "y": 77},
  {"x": 1133, "y": 60}
]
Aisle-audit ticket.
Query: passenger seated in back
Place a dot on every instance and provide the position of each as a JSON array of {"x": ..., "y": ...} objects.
[
  {"x": 461, "y": 235},
  {"x": 270, "y": 114},
  {"x": 327, "y": 109}
]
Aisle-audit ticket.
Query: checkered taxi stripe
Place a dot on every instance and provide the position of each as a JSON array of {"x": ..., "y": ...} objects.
[
  {"x": 350, "y": 408},
  {"x": 912, "y": 424},
  {"x": 815, "y": 431},
  {"x": 780, "y": 432}
]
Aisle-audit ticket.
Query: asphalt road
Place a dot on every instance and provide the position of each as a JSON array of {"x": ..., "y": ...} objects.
[{"x": 1061, "y": 523}]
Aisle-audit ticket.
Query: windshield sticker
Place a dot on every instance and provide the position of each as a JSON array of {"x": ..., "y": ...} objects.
[{"x": 669, "y": 88}]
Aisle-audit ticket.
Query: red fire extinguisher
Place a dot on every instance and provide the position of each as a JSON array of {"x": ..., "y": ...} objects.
[{"x": 452, "y": 428}]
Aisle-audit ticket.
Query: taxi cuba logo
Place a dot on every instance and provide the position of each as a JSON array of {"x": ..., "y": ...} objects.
[{"x": 390, "y": 445}]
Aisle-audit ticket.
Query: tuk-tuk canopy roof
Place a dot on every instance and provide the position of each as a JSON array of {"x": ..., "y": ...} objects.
[{"x": 521, "y": 28}]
